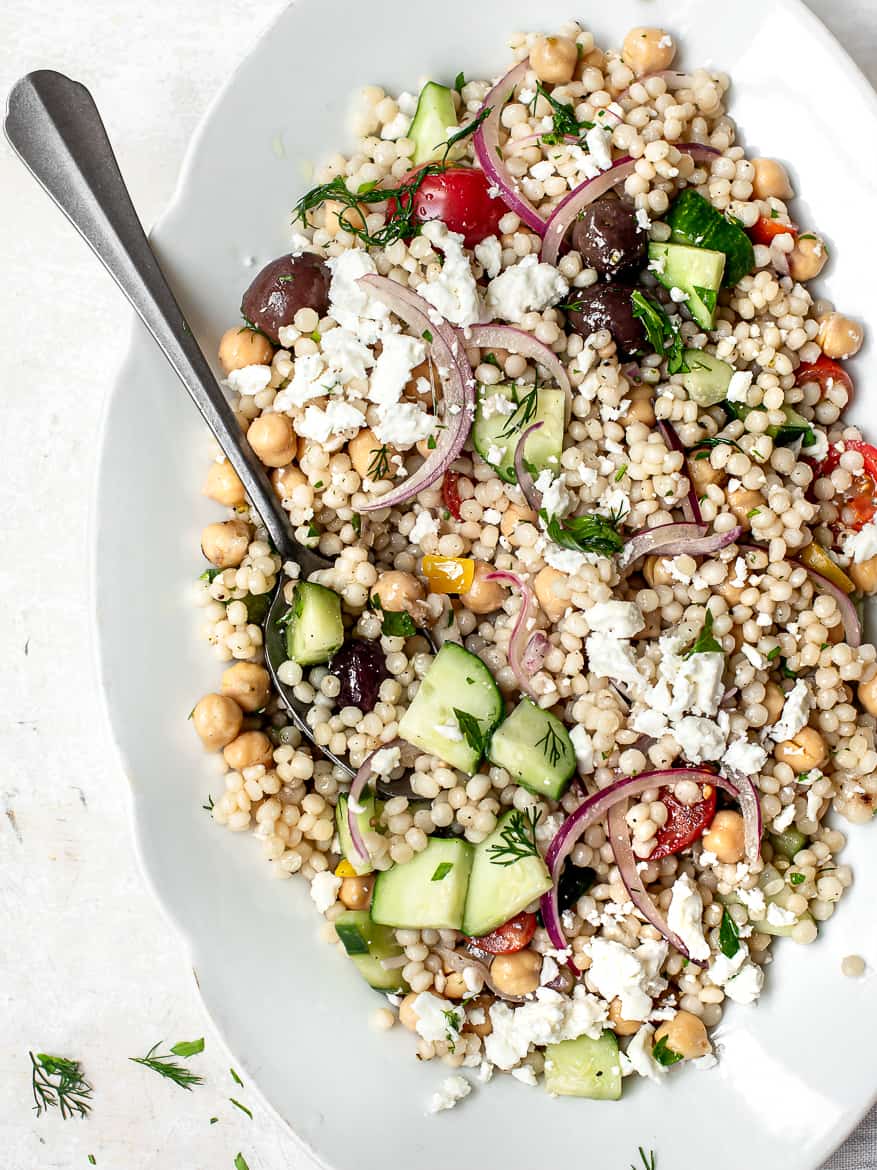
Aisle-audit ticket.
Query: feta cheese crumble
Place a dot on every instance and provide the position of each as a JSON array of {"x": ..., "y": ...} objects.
[
  {"x": 862, "y": 545},
  {"x": 453, "y": 292},
  {"x": 324, "y": 890},
  {"x": 621, "y": 619},
  {"x": 527, "y": 287},
  {"x": 795, "y": 713},
  {"x": 489, "y": 255},
  {"x": 685, "y": 917},
  {"x": 451, "y": 1091},
  {"x": 548, "y": 1019},
  {"x": 631, "y": 976}
]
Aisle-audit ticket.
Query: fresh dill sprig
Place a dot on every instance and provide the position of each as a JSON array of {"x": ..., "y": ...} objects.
[
  {"x": 379, "y": 464},
  {"x": 166, "y": 1067},
  {"x": 664, "y": 337},
  {"x": 58, "y": 1083},
  {"x": 566, "y": 124},
  {"x": 703, "y": 448},
  {"x": 518, "y": 837},
  {"x": 552, "y": 745},
  {"x": 462, "y": 134},
  {"x": 648, "y": 1160},
  {"x": 524, "y": 411},
  {"x": 242, "y": 1108},
  {"x": 591, "y": 533}
]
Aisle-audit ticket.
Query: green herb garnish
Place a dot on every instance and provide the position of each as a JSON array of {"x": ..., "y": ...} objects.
[
  {"x": 398, "y": 624},
  {"x": 705, "y": 643},
  {"x": 462, "y": 134},
  {"x": 356, "y": 523},
  {"x": 552, "y": 745},
  {"x": 165, "y": 1067},
  {"x": 752, "y": 512},
  {"x": 491, "y": 359},
  {"x": 242, "y": 1108},
  {"x": 234, "y": 1076},
  {"x": 442, "y": 871},
  {"x": 208, "y": 807},
  {"x": 797, "y": 879},
  {"x": 589, "y": 533},
  {"x": 563, "y": 117},
  {"x": 379, "y": 464},
  {"x": 648, "y": 1161},
  {"x": 240, "y": 1163},
  {"x": 664, "y": 1055},
  {"x": 664, "y": 337},
  {"x": 729, "y": 936},
  {"x": 459, "y": 82},
  {"x": 471, "y": 730},
  {"x": 772, "y": 655},
  {"x": 58, "y": 1083},
  {"x": 523, "y": 413},
  {"x": 427, "y": 336},
  {"x": 518, "y": 837},
  {"x": 785, "y": 671},
  {"x": 703, "y": 447},
  {"x": 431, "y": 443},
  {"x": 210, "y": 575},
  {"x": 188, "y": 1047},
  {"x": 621, "y": 473}
]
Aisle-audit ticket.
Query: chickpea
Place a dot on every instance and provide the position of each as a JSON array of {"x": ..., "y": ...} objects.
[
  {"x": 412, "y": 390},
  {"x": 656, "y": 571},
  {"x": 516, "y": 974},
  {"x": 803, "y": 751},
  {"x": 770, "y": 180},
  {"x": 286, "y": 479},
  {"x": 774, "y": 700},
  {"x": 338, "y": 217},
  {"x": 486, "y": 1026},
  {"x": 642, "y": 407},
  {"x": 248, "y": 684},
  {"x": 408, "y": 1017},
  {"x": 807, "y": 258},
  {"x": 398, "y": 591},
  {"x": 223, "y": 485},
  {"x": 515, "y": 515},
  {"x": 554, "y": 59},
  {"x": 725, "y": 837},
  {"x": 244, "y": 347},
  {"x": 702, "y": 473},
  {"x": 868, "y": 695},
  {"x": 225, "y": 545},
  {"x": 744, "y": 502},
  {"x": 248, "y": 750},
  {"x": 731, "y": 592},
  {"x": 686, "y": 1035},
  {"x": 356, "y": 892},
  {"x": 272, "y": 438},
  {"x": 455, "y": 986},
  {"x": 483, "y": 596},
  {"x": 620, "y": 1025},
  {"x": 545, "y": 587},
  {"x": 840, "y": 336},
  {"x": 648, "y": 50},
  {"x": 217, "y": 719},
  {"x": 864, "y": 575},
  {"x": 363, "y": 450}
]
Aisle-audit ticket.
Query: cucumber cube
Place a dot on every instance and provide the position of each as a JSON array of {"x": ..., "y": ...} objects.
[
  {"x": 315, "y": 629},
  {"x": 366, "y": 943},
  {"x": 535, "y": 749},
  {"x": 428, "y": 892},
  {"x": 495, "y": 434},
  {"x": 497, "y": 892},
  {"x": 696, "y": 271},
  {"x": 434, "y": 121},
  {"x": 584, "y": 1068},
  {"x": 366, "y": 822}
]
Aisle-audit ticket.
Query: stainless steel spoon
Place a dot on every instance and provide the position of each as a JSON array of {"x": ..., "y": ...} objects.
[{"x": 56, "y": 130}]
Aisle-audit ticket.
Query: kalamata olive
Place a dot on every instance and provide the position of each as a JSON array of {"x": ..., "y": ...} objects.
[
  {"x": 608, "y": 306},
  {"x": 608, "y": 238},
  {"x": 360, "y": 667},
  {"x": 284, "y": 286}
]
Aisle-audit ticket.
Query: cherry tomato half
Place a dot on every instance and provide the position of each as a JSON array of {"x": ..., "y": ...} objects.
[
  {"x": 451, "y": 494},
  {"x": 826, "y": 372},
  {"x": 510, "y": 937},
  {"x": 860, "y": 499},
  {"x": 685, "y": 822},
  {"x": 458, "y": 196},
  {"x": 764, "y": 230}
]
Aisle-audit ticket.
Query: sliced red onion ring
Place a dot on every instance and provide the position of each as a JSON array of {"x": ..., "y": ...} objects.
[
  {"x": 595, "y": 807},
  {"x": 489, "y": 153},
  {"x": 672, "y": 540},
  {"x": 849, "y": 615},
  {"x": 691, "y": 505},
  {"x": 535, "y": 651},
  {"x": 566, "y": 211},
  {"x": 525, "y": 479},
  {"x": 525, "y": 344},
  {"x": 459, "y": 393},
  {"x": 360, "y": 781},
  {"x": 520, "y": 632}
]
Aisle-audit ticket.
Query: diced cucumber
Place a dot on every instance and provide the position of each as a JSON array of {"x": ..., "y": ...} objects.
[
  {"x": 366, "y": 821},
  {"x": 497, "y": 892},
  {"x": 456, "y": 681},
  {"x": 795, "y": 426},
  {"x": 366, "y": 943},
  {"x": 695, "y": 271},
  {"x": 584, "y": 1068},
  {"x": 708, "y": 377},
  {"x": 535, "y": 749},
  {"x": 495, "y": 435},
  {"x": 694, "y": 220},
  {"x": 434, "y": 121},
  {"x": 314, "y": 630},
  {"x": 428, "y": 892},
  {"x": 789, "y": 842}
]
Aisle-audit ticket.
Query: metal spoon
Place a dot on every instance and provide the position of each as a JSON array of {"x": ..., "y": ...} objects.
[{"x": 56, "y": 130}]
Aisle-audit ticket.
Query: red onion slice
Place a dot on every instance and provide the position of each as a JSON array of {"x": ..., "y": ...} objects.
[
  {"x": 489, "y": 152},
  {"x": 566, "y": 211},
  {"x": 459, "y": 393},
  {"x": 535, "y": 651},
  {"x": 525, "y": 479},
  {"x": 525, "y": 344},
  {"x": 849, "y": 615},
  {"x": 520, "y": 632},
  {"x": 691, "y": 505},
  {"x": 595, "y": 807},
  {"x": 671, "y": 540},
  {"x": 360, "y": 781}
]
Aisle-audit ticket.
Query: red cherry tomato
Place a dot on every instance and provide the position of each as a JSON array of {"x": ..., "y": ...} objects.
[
  {"x": 826, "y": 372},
  {"x": 860, "y": 499},
  {"x": 451, "y": 494},
  {"x": 685, "y": 822},
  {"x": 458, "y": 196},
  {"x": 764, "y": 230},
  {"x": 510, "y": 937}
]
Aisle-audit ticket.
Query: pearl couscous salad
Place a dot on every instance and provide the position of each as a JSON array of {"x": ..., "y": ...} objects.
[{"x": 544, "y": 380}]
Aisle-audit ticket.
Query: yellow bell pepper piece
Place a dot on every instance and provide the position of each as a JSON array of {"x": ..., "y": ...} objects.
[
  {"x": 816, "y": 558},
  {"x": 449, "y": 574},
  {"x": 344, "y": 869}
]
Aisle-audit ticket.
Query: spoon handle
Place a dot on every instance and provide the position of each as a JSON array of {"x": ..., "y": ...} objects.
[{"x": 55, "y": 128}]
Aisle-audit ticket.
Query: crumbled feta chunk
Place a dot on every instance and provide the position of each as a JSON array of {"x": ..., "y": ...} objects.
[
  {"x": 754, "y": 902},
  {"x": 348, "y": 357},
  {"x": 638, "y": 1056},
  {"x": 453, "y": 291},
  {"x": 705, "y": 1063},
  {"x": 349, "y": 301},
  {"x": 528, "y": 286},
  {"x": 746, "y": 986},
  {"x": 449, "y": 1092},
  {"x": 324, "y": 890},
  {"x": 781, "y": 823},
  {"x": 722, "y": 969},
  {"x": 525, "y": 1074},
  {"x": 738, "y": 387},
  {"x": 642, "y": 219},
  {"x": 489, "y": 255},
  {"x": 404, "y": 424},
  {"x": 779, "y": 916},
  {"x": 795, "y": 713},
  {"x": 598, "y": 143},
  {"x": 629, "y": 975},
  {"x": 565, "y": 560},
  {"x": 744, "y": 757},
  {"x": 556, "y": 500},
  {"x": 621, "y": 619},
  {"x": 685, "y": 917},
  {"x": 700, "y": 739},
  {"x": 338, "y": 418},
  {"x": 385, "y": 760},
  {"x": 608, "y": 657},
  {"x": 399, "y": 355},
  {"x": 547, "y": 1019},
  {"x": 425, "y": 525},
  {"x": 435, "y": 1020},
  {"x": 249, "y": 380},
  {"x": 549, "y": 971},
  {"x": 755, "y": 656},
  {"x": 583, "y": 746},
  {"x": 862, "y": 545},
  {"x": 397, "y": 128}
]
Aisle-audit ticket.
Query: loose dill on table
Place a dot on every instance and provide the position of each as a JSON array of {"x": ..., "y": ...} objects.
[
  {"x": 165, "y": 1066},
  {"x": 58, "y": 1083},
  {"x": 518, "y": 839}
]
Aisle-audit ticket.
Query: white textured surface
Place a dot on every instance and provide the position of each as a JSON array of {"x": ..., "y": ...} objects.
[{"x": 88, "y": 967}]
